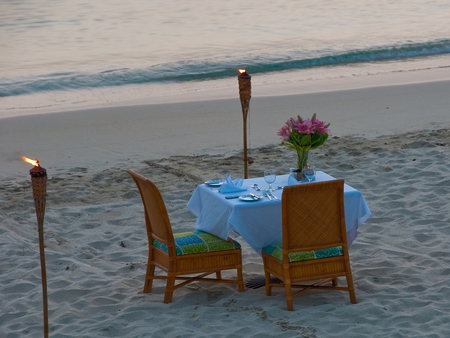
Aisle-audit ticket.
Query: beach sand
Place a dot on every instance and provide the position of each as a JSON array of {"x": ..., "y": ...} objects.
[{"x": 390, "y": 142}]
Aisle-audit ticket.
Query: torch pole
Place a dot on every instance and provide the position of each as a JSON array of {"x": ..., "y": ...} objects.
[
  {"x": 245, "y": 91},
  {"x": 39, "y": 184}
]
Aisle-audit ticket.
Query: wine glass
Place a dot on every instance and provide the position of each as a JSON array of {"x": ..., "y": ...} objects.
[
  {"x": 270, "y": 177},
  {"x": 310, "y": 172}
]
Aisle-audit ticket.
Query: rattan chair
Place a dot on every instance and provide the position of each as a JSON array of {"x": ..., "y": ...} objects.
[
  {"x": 314, "y": 243},
  {"x": 182, "y": 254}
]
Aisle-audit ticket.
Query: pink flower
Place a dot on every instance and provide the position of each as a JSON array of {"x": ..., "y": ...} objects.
[
  {"x": 285, "y": 132},
  {"x": 320, "y": 127},
  {"x": 304, "y": 126},
  {"x": 290, "y": 123}
]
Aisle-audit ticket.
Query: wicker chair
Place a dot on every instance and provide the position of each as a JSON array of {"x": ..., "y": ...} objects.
[
  {"x": 182, "y": 254},
  {"x": 314, "y": 243}
]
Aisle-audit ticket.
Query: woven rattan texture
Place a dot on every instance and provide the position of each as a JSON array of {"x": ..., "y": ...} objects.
[
  {"x": 157, "y": 222},
  {"x": 314, "y": 219}
]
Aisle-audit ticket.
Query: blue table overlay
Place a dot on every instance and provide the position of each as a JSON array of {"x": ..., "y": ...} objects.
[{"x": 259, "y": 222}]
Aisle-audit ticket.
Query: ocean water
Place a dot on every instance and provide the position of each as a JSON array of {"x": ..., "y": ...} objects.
[{"x": 56, "y": 53}]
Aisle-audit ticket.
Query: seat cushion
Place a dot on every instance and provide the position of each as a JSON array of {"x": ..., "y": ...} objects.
[
  {"x": 276, "y": 250},
  {"x": 187, "y": 243}
]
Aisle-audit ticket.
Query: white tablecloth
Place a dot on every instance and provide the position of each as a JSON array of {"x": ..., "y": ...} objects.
[{"x": 259, "y": 222}]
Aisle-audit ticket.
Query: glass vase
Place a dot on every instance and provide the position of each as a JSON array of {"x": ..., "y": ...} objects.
[{"x": 302, "y": 160}]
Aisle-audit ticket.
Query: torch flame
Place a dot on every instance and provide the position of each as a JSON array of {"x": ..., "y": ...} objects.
[
  {"x": 29, "y": 160},
  {"x": 241, "y": 70}
]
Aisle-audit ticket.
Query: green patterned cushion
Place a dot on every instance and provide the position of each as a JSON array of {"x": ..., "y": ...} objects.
[
  {"x": 276, "y": 250},
  {"x": 187, "y": 243}
]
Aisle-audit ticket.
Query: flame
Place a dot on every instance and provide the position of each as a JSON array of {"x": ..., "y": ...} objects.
[
  {"x": 29, "y": 160},
  {"x": 241, "y": 70}
]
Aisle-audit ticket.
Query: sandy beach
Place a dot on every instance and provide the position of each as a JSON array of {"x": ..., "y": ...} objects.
[{"x": 390, "y": 140}]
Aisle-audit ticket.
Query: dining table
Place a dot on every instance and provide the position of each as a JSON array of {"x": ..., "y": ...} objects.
[{"x": 258, "y": 221}]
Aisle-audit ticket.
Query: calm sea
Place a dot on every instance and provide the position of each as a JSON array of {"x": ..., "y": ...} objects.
[{"x": 79, "y": 49}]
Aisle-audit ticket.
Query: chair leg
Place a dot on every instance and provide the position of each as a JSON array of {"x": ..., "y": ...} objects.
[
  {"x": 169, "y": 288},
  {"x": 240, "y": 279},
  {"x": 351, "y": 288},
  {"x": 218, "y": 275},
  {"x": 288, "y": 290},
  {"x": 149, "y": 277},
  {"x": 352, "y": 296},
  {"x": 335, "y": 281},
  {"x": 268, "y": 286}
]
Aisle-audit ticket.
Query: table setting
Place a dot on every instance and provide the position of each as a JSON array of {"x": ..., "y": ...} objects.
[{"x": 258, "y": 219}]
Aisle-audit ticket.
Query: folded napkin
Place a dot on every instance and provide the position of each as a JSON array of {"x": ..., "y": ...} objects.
[{"x": 232, "y": 185}]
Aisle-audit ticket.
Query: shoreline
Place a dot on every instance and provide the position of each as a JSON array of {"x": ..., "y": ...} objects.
[{"x": 307, "y": 81}]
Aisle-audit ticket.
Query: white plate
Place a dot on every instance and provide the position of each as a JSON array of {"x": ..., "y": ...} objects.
[
  {"x": 249, "y": 198},
  {"x": 215, "y": 183}
]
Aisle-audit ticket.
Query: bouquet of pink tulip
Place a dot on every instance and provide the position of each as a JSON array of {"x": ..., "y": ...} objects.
[{"x": 303, "y": 135}]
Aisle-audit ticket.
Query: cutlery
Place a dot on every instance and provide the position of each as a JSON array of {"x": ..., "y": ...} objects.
[
  {"x": 273, "y": 196},
  {"x": 268, "y": 196},
  {"x": 254, "y": 196},
  {"x": 256, "y": 187}
]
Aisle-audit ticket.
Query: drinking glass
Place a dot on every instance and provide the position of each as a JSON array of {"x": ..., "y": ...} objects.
[
  {"x": 310, "y": 172},
  {"x": 270, "y": 177}
]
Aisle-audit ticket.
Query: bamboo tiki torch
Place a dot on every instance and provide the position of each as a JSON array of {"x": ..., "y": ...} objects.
[
  {"x": 245, "y": 93},
  {"x": 39, "y": 185}
]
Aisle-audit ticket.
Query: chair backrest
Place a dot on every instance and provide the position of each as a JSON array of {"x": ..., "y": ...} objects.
[
  {"x": 156, "y": 216},
  {"x": 313, "y": 216}
]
